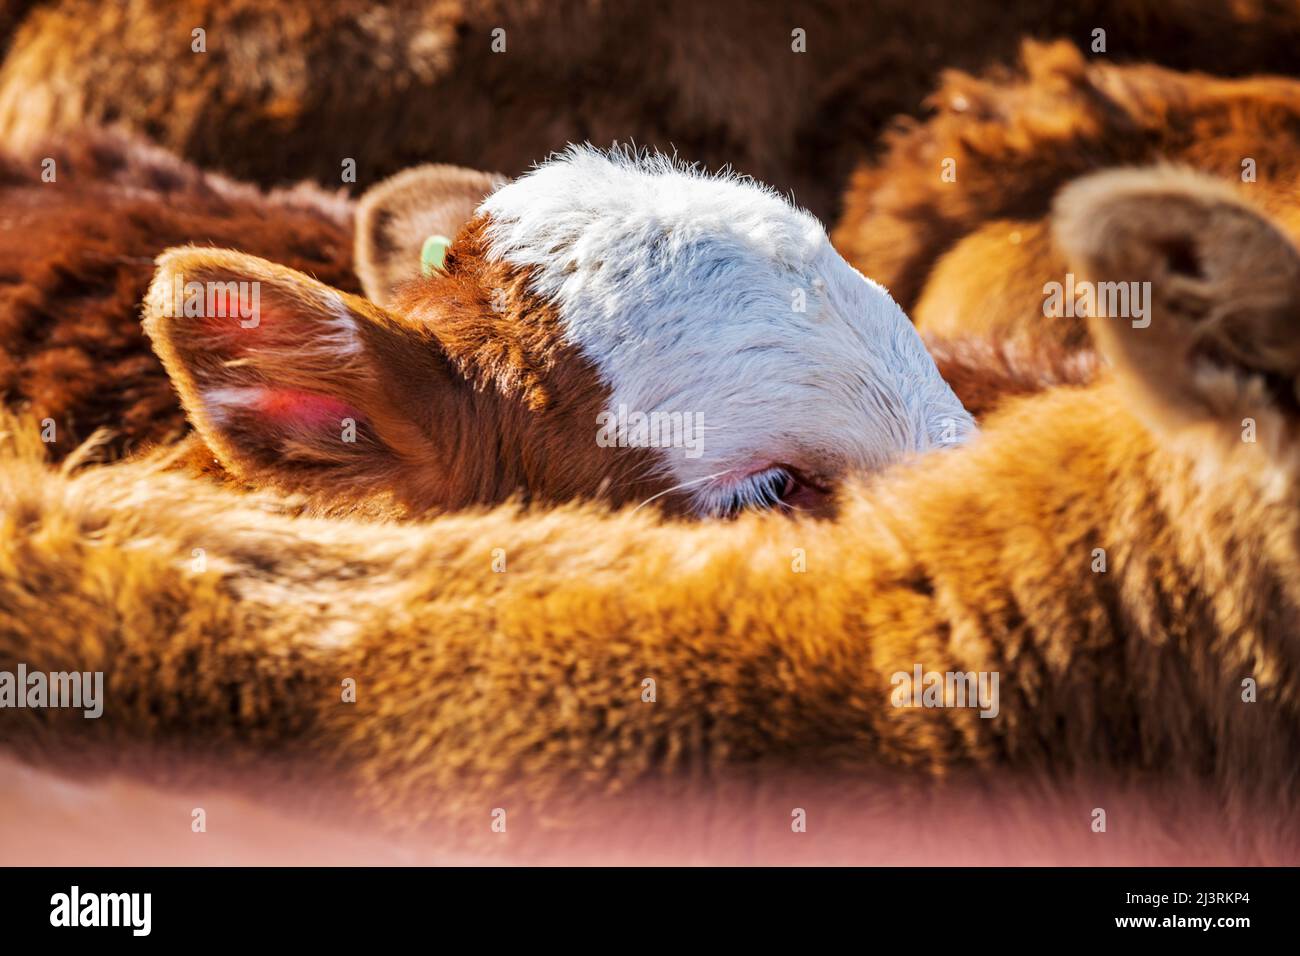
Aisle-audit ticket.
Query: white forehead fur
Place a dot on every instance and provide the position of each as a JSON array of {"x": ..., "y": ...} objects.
[{"x": 685, "y": 290}]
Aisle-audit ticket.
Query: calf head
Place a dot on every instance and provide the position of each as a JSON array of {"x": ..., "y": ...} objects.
[{"x": 608, "y": 325}]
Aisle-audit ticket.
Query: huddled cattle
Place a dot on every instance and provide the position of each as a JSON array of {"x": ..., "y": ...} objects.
[{"x": 338, "y": 470}]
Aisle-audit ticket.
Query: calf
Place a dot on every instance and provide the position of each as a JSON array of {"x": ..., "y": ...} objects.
[
  {"x": 1117, "y": 554},
  {"x": 610, "y": 325},
  {"x": 523, "y": 396},
  {"x": 954, "y": 219}
]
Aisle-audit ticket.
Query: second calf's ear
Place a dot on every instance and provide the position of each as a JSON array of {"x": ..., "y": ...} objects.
[
  {"x": 397, "y": 218},
  {"x": 1194, "y": 295},
  {"x": 286, "y": 379}
]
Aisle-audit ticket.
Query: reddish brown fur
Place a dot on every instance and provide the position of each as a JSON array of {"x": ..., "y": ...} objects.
[
  {"x": 76, "y": 256},
  {"x": 972, "y": 256},
  {"x": 986, "y": 371},
  {"x": 465, "y": 393},
  {"x": 545, "y": 394}
]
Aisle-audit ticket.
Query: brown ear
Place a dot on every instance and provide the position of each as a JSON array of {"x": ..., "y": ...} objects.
[
  {"x": 291, "y": 381},
  {"x": 1212, "y": 324},
  {"x": 395, "y": 218}
]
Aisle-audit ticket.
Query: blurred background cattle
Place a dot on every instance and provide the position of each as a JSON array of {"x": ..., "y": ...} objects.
[{"x": 791, "y": 93}]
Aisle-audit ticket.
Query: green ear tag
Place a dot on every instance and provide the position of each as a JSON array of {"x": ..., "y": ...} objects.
[{"x": 433, "y": 254}]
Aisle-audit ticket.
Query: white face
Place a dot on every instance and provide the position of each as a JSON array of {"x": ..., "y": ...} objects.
[{"x": 730, "y": 333}]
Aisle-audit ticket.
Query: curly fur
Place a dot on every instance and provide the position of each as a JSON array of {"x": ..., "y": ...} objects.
[{"x": 972, "y": 256}]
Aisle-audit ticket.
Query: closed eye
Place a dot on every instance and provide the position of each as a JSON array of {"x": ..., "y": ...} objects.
[{"x": 778, "y": 487}]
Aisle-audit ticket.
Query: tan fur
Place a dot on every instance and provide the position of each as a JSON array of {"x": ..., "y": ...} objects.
[
  {"x": 972, "y": 256},
  {"x": 523, "y": 689}
]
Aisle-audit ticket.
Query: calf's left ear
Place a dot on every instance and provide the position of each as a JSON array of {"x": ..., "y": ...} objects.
[
  {"x": 1196, "y": 294},
  {"x": 402, "y": 221}
]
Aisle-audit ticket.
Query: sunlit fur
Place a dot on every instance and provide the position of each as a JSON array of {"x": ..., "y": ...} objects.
[
  {"x": 712, "y": 296},
  {"x": 501, "y": 661},
  {"x": 970, "y": 253}
]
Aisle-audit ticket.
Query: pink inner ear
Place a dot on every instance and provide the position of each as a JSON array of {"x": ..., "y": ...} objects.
[
  {"x": 304, "y": 409},
  {"x": 271, "y": 326}
]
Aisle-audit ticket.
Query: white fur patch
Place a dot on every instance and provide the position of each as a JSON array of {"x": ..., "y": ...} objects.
[
  {"x": 220, "y": 402},
  {"x": 685, "y": 290},
  {"x": 339, "y": 332}
]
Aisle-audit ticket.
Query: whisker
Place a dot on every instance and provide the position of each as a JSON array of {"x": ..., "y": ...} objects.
[
  {"x": 684, "y": 484},
  {"x": 652, "y": 470}
]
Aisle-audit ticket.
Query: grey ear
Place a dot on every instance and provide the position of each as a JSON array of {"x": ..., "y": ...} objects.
[{"x": 395, "y": 218}]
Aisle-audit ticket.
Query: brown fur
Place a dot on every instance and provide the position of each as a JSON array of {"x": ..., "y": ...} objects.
[
  {"x": 986, "y": 371},
  {"x": 464, "y": 393},
  {"x": 289, "y": 90},
  {"x": 971, "y": 257},
  {"x": 523, "y": 689},
  {"x": 12, "y": 14},
  {"x": 551, "y": 394},
  {"x": 76, "y": 256}
]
